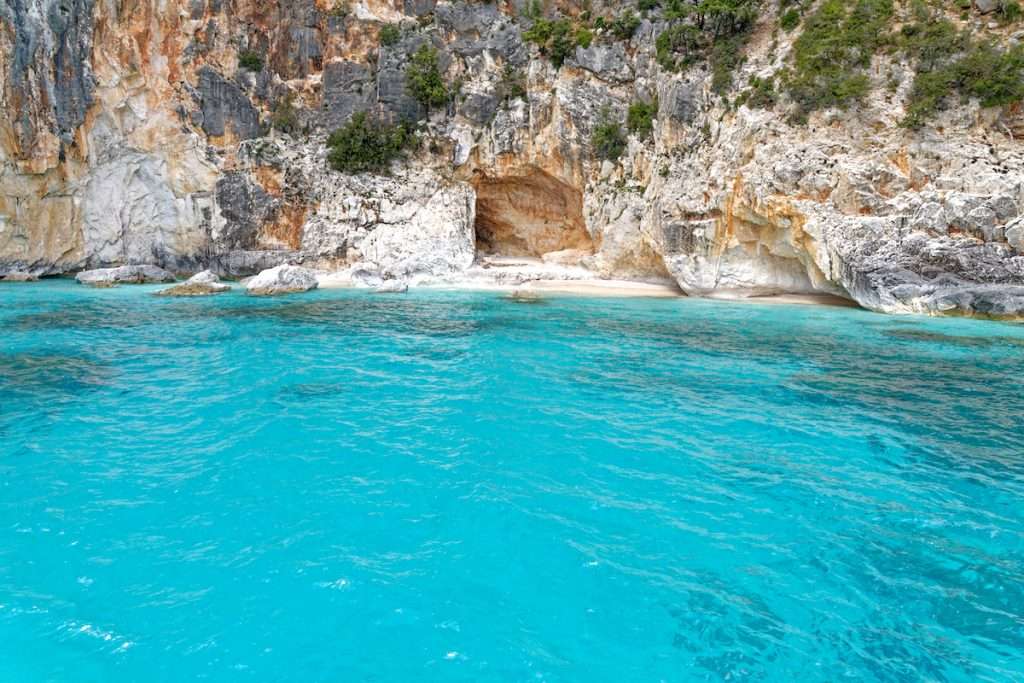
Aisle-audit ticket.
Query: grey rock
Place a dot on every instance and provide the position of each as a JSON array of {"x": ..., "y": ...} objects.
[
  {"x": 607, "y": 62},
  {"x": 680, "y": 102},
  {"x": 244, "y": 207},
  {"x": 245, "y": 262},
  {"x": 19, "y": 276},
  {"x": 348, "y": 87},
  {"x": 391, "y": 89},
  {"x": 473, "y": 29},
  {"x": 986, "y": 6},
  {"x": 392, "y": 287},
  {"x": 419, "y": 8},
  {"x": 224, "y": 106},
  {"x": 285, "y": 279},
  {"x": 931, "y": 216},
  {"x": 50, "y": 67},
  {"x": 132, "y": 275},
  {"x": 1015, "y": 234},
  {"x": 205, "y": 283},
  {"x": 479, "y": 108}
]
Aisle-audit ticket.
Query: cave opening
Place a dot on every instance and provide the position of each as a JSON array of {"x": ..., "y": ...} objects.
[{"x": 528, "y": 213}]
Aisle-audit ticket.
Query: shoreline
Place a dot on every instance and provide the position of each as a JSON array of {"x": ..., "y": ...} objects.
[
  {"x": 596, "y": 287},
  {"x": 587, "y": 287}
]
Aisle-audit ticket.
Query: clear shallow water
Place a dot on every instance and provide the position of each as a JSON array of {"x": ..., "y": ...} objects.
[{"x": 452, "y": 486}]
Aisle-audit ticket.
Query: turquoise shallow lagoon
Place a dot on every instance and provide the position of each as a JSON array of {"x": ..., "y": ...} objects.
[{"x": 456, "y": 487}]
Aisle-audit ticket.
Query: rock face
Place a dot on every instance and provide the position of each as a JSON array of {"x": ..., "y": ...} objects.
[
  {"x": 131, "y": 135},
  {"x": 124, "y": 275},
  {"x": 284, "y": 279},
  {"x": 205, "y": 283},
  {"x": 19, "y": 276}
]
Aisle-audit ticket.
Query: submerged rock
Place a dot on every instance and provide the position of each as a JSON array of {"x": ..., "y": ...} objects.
[
  {"x": 524, "y": 296},
  {"x": 205, "y": 283},
  {"x": 127, "y": 275},
  {"x": 284, "y": 279}
]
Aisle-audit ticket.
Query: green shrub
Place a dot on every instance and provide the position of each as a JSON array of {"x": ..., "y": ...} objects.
[
  {"x": 726, "y": 17},
  {"x": 423, "y": 78},
  {"x": 284, "y": 116},
  {"x": 715, "y": 30},
  {"x": 760, "y": 95},
  {"x": 832, "y": 53},
  {"x": 789, "y": 20},
  {"x": 1010, "y": 11},
  {"x": 726, "y": 55},
  {"x": 250, "y": 60},
  {"x": 366, "y": 145},
  {"x": 677, "y": 46},
  {"x": 647, "y": 5},
  {"x": 949, "y": 63},
  {"x": 625, "y": 25},
  {"x": 931, "y": 41},
  {"x": 390, "y": 34},
  {"x": 994, "y": 76},
  {"x": 554, "y": 38},
  {"x": 640, "y": 118},
  {"x": 608, "y": 141},
  {"x": 584, "y": 37},
  {"x": 512, "y": 85}
]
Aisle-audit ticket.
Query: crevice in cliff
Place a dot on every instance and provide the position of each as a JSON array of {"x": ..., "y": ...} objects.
[{"x": 528, "y": 212}]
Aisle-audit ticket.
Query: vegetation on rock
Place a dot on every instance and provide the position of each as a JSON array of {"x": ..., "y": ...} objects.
[
  {"x": 832, "y": 54},
  {"x": 608, "y": 140},
  {"x": 555, "y": 38},
  {"x": 250, "y": 60},
  {"x": 390, "y": 34},
  {"x": 423, "y": 78},
  {"x": 640, "y": 118},
  {"x": 366, "y": 145},
  {"x": 625, "y": 25},
  {"x": 284, "y": 116},
  {"x": 512, "y": 85},
  {"x": 711, "y": 30}
]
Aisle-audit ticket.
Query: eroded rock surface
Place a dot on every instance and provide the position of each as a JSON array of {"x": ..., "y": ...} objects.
[
  {"x": 285, "y": 279},
  {"x": 124, "y": 275},
  {"x": 205, "y": 283},
  {"x": 132, "y": 135}
]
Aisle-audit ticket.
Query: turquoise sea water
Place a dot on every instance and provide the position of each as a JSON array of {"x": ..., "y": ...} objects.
[{"x": 445, "y": 486}]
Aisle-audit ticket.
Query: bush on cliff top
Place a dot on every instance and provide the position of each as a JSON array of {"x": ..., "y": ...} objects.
[
  {"x": 366, "y": 145},
  {"x": 712, "y": 30},
  {"x": 831, "y": 55}
]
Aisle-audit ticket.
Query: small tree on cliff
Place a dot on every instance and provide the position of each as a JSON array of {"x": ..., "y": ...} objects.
[
  {"x": 423, "y": 78},
  {"x": 366, "y": 145}
]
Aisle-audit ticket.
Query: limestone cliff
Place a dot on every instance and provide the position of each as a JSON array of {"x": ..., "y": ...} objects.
[{"x": 132, "y": 132}]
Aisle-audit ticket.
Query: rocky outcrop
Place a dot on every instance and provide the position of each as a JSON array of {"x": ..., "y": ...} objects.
[
  {"x": 131, "y": 135},
  {"x": 284, "y": 279},
  {"x": 19, "y": 276},
  {"x": 124, "y": 275},
  {"x": 205, "y": 283}
]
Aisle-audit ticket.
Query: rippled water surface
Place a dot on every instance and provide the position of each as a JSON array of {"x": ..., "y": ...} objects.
[{"x": 454, "y": 486}]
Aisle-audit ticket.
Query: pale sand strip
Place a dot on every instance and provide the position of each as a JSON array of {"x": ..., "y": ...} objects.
[{"x": 602, "y": 288}]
